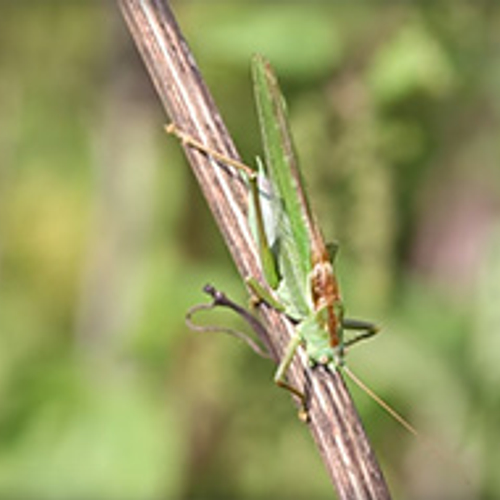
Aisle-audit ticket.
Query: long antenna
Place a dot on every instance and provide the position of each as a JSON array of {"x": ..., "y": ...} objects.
[
  {"x": 437, "y": 451},
  {"x": 391, "y": 411}
]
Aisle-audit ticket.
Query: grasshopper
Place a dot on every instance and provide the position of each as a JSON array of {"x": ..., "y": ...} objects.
[{"x": 297, "y": 263}]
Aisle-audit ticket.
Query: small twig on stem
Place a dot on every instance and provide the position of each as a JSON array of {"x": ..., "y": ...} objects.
[{"x": 334, "y": 422}]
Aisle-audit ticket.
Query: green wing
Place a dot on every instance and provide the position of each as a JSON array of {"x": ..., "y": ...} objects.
[{"x": 292, "y": 247}]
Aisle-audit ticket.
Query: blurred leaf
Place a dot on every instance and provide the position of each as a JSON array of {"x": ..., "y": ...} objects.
[
  {"x": 412, "y": 61},
  {"x": 302, "y": 42},
  {"x": 108, "y": 442},
  {"x": 486, "y": 342}
]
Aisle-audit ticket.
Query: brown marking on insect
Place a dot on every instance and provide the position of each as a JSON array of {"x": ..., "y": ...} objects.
[{"x": 325, "y": 294}]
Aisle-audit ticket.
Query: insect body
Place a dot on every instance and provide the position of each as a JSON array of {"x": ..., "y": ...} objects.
[
  {"x": 297, "y": 263},
  {"x": 307, "y": 286}
]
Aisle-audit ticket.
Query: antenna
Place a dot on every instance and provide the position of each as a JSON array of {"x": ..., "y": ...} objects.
[{"x": 437, "y": 451}]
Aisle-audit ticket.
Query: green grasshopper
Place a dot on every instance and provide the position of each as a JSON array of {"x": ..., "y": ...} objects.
[{"x": 297, "y": 264}]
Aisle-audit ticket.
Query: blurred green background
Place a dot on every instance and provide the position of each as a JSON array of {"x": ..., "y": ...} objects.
[{"x": 105, "y": 243}]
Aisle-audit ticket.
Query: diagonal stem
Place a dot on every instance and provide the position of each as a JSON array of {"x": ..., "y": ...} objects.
[{"x": 334, "y": 422}]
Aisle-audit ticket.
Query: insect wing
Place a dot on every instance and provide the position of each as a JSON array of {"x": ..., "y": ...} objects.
[
  {"x": 281, "y": 162},
  {"x": 295, "y": 222}
]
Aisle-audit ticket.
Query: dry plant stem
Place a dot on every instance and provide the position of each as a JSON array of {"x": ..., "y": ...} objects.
[{"x": 333, "y": 421}]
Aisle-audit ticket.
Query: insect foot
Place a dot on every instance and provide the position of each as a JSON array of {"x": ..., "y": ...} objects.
[{"x": 303, "y": 415}]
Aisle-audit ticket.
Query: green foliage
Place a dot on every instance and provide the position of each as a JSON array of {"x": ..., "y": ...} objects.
[
  {"x": 105, "y": 244},
  {"x": 114, "y": 443},
  {"x": 412, "y": 61},
  {"x": 302, "y": 42}
]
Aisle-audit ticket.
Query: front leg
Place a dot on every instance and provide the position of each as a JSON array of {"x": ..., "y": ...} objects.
[
  {"x": 280, "y": 375},
  {"x": 259, "y": 295}
]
